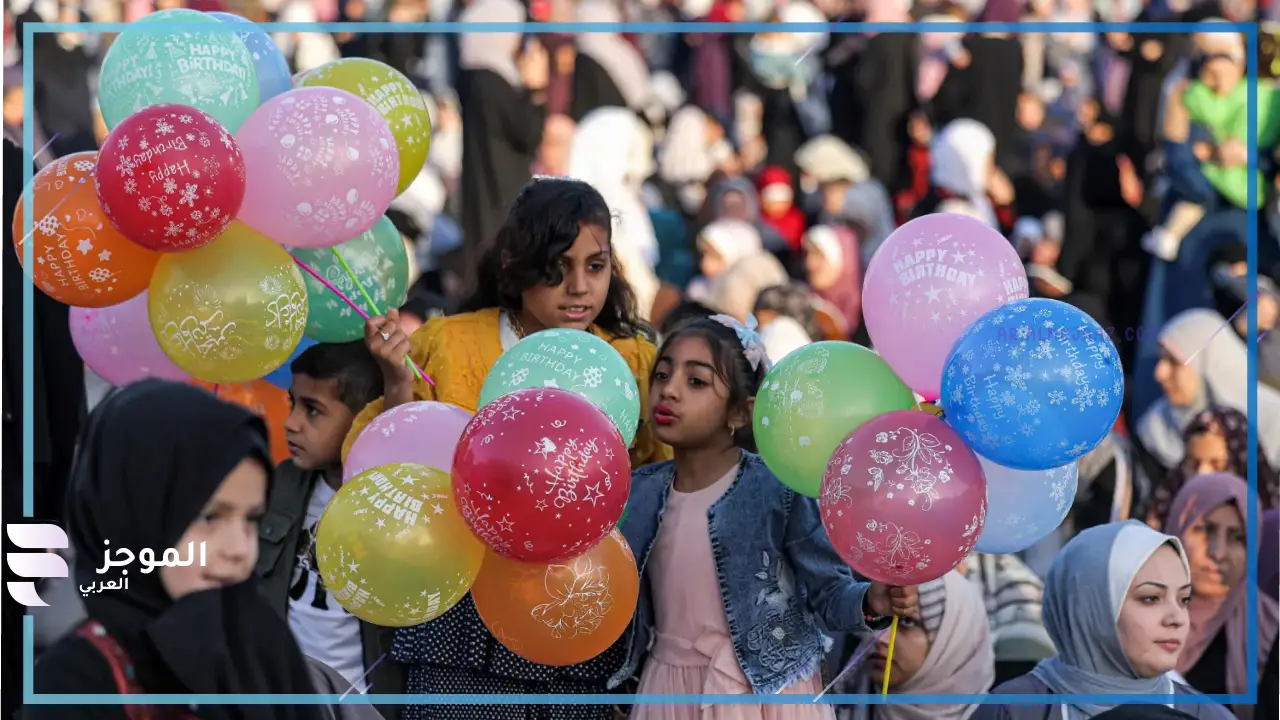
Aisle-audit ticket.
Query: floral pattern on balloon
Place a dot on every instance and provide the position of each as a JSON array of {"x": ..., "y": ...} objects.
[
  {"x": 322, "y": 167},
  {"x": 1033, "y": 384},
  {"x": 903, "y": 499},
  {"x": 148, "y": 64},
  {"x": 541, "y": 475},
  {"x": 170, "y": 178},
  {"x": 78, "y": 256}
]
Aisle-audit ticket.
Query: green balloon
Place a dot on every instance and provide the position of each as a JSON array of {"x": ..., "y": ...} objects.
[
  {"x": 378, "y": 258},
  {"x": 570, "y": 360},
  {"x": 812, "y": 400}
]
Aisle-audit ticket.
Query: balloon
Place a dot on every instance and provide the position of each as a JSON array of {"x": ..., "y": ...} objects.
[
  {"x": 926, "y": 283},
  {"x": 322, "y": 167},
  {"x": 394, "y": 96},
  {"x": 570, "y": 360},
  {"x": 264, "y": 400},
  {"x": 1033, "y": 385},
  {"x": 562, "y": 613},
  {"x": 378, "y": 258},
  {"x": 1024, "y": 506},
  {"x": 117, "y": 343},
  {"x": 80, "y": 258},
  {"x": 282, "y": 377},
  {"x": 541, "y": 475},
  {"x": 392, "y": 548},
  {"x": 903, "y": 499},
  {"x": 231, "y": 311},
  {"x": 269, "y": 65},
  {"x": 425, "y": 433},
  {"x": 812, "y": 399},
  {"x": 148, "y": 65},
  {"x": 170, "y": 178}
]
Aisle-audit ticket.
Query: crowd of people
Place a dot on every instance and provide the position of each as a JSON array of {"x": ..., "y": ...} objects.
[{"x": 661, "y": 191}]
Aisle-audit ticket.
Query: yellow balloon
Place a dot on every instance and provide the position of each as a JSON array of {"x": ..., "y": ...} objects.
[
  {"x": 394, "y": 96},
  {"x": 231, "y": 311},
  {"x": 392, "y": 547}
]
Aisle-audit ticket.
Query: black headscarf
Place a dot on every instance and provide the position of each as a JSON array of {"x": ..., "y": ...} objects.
[{"x": 152, "y": 456}]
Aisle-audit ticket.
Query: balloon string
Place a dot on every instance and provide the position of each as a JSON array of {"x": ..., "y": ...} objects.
[
  {"x": 351, "y": 274},
  {"x": 888, "y": 660},
  {"x": 312, "y": 272}
]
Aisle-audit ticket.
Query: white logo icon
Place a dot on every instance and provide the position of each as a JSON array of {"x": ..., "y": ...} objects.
[{"x": 41, "y": 537}]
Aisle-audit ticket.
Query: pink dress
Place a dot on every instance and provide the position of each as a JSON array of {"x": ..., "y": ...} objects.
[{"x": 692, "y": 651}]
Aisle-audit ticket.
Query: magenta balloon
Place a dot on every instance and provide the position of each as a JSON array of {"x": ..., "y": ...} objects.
[
  {"x": 425, "y": 433},
  {"x": 321, "y": 167},
  {"x": 117, "y": 343},
  {"x": 929, "y": 281},
  {"x": 903, "y": 498}
]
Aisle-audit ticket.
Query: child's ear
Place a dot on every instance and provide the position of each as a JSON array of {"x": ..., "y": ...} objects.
[{"x": 744, "y": 416}]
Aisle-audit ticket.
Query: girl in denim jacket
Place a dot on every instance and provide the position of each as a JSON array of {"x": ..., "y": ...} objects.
[{"x": 736, "y": 570}]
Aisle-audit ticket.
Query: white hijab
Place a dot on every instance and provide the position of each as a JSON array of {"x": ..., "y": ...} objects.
[
  {"x": 492, "y": 51},
  {"x": 960, "y": 160},
  {"x": 622, "y": 61}
]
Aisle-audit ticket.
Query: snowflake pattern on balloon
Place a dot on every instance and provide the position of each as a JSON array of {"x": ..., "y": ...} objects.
[{"x": 579, "y": 597}]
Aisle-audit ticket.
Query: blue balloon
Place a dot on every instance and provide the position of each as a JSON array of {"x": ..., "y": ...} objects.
[
  {"x": 282, "y": 377},
  {"x": 1024, "y": 506},
  {"x": 273, "y": 70},
  {"x": 1033, "y": 384}
]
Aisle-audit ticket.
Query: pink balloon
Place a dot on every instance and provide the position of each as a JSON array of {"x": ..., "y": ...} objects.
[
  {"x": 321, "y": 167},
  {"x": 117, "y": 343},
  {"x": 426, "y": 433},
  {"x": 927, "y": 283},
  {"x": 903, "y": 498}
]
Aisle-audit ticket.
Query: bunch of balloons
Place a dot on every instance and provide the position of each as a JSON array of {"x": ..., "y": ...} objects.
[
  {"x": 179, "y": 243},
  {"x": 962, "y": 428}
]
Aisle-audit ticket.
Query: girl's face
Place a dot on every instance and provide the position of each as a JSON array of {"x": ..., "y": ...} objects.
[
  {"x": 1221, "y": 75},
  {"x": 823, "y": 272},
  {"x": 688, "y": 399},
  {"x": 1179, "y": 381},
  {"x": 1206, "y": 453},
  {"x": 1216, "y": 547},
  {"x": 712, "y": 263},
  {"x": 833, "y": 194},
  {"x": 734, "y": 206},
  {"x": 228, "y": 528},
  {"x": 587, "y": 268},
  {"x": 909, "y": 653},
  {"x": 1154, "y": 622}
]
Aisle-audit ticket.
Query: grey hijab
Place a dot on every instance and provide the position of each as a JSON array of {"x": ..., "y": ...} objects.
[{"x": 1083, "y": 594}]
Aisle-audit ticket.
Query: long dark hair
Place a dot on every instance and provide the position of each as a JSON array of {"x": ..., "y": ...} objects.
[
  {"x": 543, "y": 224},
  {"x": 731, "y": 366}
]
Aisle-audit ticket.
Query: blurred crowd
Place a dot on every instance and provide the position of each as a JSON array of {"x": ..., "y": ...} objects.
[{"x": 756, "y": 174}]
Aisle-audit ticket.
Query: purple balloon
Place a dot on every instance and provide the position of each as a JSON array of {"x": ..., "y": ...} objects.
[
  {"x": 425, "y": 433},
  {"x": 929, "y": 281},
  {"x": 117, "y": 343}
]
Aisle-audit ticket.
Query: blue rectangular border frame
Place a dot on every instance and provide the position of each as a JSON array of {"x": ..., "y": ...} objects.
[{"x": 28, "y": 645}]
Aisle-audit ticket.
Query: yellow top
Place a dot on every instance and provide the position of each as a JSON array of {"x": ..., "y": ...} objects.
[{"x": 457, "y": 352}]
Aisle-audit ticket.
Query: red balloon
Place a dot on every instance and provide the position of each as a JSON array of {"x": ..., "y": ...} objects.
[
  {"x": 903, "y": 498},
  {"x": 541, "y": 475},
  {"x": 170, "y": 178}
]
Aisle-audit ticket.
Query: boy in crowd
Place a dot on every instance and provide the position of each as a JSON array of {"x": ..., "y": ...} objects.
[{"x": 331, "y": 384}]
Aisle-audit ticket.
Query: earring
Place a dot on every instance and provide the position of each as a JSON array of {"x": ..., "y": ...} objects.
[{"x": 732, "y": 431}]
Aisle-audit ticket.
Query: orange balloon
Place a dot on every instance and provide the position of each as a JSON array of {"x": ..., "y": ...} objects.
[
  {"x": 266, "y": 401},
  {"x": 80, "y": 259},
  {"x": 562, "y": 613}
]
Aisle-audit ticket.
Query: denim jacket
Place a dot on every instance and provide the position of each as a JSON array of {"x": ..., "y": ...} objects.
[{"x": 779, "y": 576}]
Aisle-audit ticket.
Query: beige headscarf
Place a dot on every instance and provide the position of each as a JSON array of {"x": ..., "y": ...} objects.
[
  {"x": 493, "y": 51},
  {"x": 735, "y": 290}
]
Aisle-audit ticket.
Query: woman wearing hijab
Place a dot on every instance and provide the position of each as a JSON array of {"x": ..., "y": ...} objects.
[
  {"x": 1208, "y": 515},
  {"x": 947, "y": 650},
  {"x": 1201, "y": 367},
  {"x": 1217, "y": 441},
  {"x": 1115, "y": 607},
  {"x": 833, "y": 264},
  {"x": 164, "y": 465},
  {"x": 608, "y": 70},
  {"x": 693, "y": 148},
  {"x": 962, "y": 164},
  {"x": 503, "y": 111},
  {"x": 722, "y": 244}
]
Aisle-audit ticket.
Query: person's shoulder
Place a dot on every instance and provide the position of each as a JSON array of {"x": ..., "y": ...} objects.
[
  {"x": 638, "y": 350},
  {"x": 486, "y": 319},
  {"x": 1022, "y": 685},
  {"x": 73, "y": 665},
  {"x": 1202, "y": 710}
]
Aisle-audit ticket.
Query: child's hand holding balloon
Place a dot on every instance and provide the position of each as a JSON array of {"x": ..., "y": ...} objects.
[{"x": 888, "y": 600}]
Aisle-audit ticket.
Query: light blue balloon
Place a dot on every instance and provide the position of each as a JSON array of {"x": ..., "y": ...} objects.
[
  {"x": 1024, "y": 506},
  {"x": 282, "y": 377},
  {"x": 1033, "y": 384},
  {"x": 272, "y": 68},
  {"x": 149, "y": 65}
]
